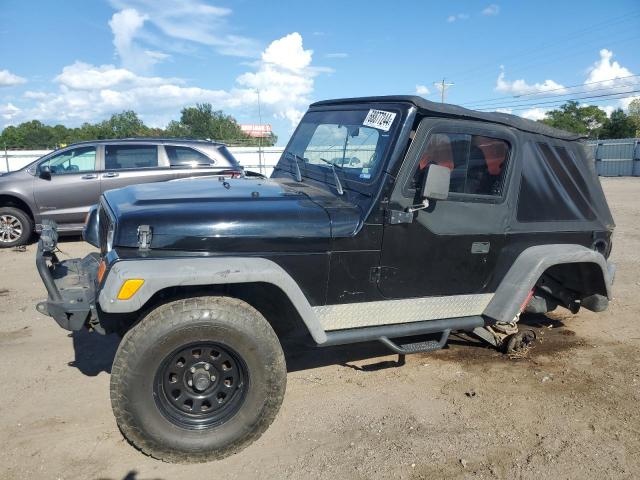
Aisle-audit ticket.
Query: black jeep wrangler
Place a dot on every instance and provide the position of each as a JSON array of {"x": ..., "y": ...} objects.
[{"x": 387, "y": 218}]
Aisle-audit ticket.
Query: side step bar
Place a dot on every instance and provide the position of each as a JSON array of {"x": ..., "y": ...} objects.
[
  {"x": 384, "y": 333},
  {"x": 417, "y": 347}
]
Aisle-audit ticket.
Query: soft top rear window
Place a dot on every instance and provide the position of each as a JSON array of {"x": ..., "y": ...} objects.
[{"x": 552, "y": 187}]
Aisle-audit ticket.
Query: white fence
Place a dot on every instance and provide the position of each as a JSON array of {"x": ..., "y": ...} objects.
[
  {"x": 11, "y": 160},
  {"x": 251, "y": 158}
]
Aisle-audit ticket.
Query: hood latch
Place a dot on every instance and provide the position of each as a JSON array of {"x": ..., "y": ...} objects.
[{"x": 145, "y": 234}]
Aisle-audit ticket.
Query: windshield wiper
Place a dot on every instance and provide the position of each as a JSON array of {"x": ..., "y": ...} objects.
[
  {"x": 335, "y": 175},
  {"x": 296, "y": 158}
]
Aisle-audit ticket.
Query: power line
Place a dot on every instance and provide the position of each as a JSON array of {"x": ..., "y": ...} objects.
[
  {"x": 543, "y": 94},
  {"x": 608, "y": 96},
  {"x": 549, "y": 107},
  {"x": 558, "y": 97},
  {"x": 591, "y": 30},
  {"x": 534, "y": 61}
]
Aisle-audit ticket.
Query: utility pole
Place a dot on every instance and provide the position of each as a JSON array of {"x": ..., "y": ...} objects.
[
  {"x": 6, "y": 156},
  {"x": 260, "y": 160},
  {"x": 442, "y": 86}
]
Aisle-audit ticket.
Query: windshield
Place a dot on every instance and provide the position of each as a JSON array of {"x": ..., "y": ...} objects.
[{"x": 355, "y": 141}]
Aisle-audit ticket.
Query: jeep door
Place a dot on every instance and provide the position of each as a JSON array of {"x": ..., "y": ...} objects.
[
  {"x": 131, "y": 164},
  {"x": 451, "y": 247},
  {"x": 72, "y": 188}
]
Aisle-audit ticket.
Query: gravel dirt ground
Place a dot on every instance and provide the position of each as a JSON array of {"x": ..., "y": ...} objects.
[{"x": 570, "y": 409}]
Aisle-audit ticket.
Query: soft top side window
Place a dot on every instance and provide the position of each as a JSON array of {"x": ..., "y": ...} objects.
[{"x": 477, "y": 163}]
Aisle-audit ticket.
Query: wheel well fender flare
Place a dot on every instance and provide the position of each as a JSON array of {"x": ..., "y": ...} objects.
[
  {"x": 530, "y": 265},
  {"x": 16, "y": 201},
  {"x": 159, "y": 274}
]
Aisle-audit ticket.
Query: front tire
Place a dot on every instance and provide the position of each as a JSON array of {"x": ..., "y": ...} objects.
[
  {"x": 16, "y": 227},
  {"x": 198, "y": 379}
]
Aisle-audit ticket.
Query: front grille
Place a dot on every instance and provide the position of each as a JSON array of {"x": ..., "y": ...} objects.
[{"x": 104, "y": 224}]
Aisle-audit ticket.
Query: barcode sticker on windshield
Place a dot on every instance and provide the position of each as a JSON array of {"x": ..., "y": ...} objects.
[{"x": 379, "y": 119}]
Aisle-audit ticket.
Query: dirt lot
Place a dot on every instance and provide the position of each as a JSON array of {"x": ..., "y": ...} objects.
[{"x": 569, "y": 410}]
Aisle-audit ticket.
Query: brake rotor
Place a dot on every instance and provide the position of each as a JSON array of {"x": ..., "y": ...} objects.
[{"x": 521, "y": 341}]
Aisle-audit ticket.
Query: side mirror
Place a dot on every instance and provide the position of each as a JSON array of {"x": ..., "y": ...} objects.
[
  {"x": 45, "y": 172},
  {"x": 436, "y": 183},
  {"x": 90, "y": 232}
]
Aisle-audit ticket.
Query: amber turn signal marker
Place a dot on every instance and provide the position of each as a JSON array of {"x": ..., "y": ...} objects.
[
  {"x": 129, "y": 288},
  {"x": 102, "y": 267}
]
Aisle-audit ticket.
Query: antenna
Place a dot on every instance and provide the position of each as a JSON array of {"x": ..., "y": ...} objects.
[{"x": 443, "y": 87}]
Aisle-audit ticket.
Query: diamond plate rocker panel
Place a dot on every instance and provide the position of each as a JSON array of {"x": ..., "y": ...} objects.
[{"x": 368, "y": 314}]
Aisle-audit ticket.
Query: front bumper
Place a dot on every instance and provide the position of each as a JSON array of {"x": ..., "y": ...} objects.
[{"x": 71, "y": 284}]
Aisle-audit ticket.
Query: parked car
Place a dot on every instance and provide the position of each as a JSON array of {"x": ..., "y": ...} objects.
[
  {"x": 447, "y": 220},
  {"x": 62, "y": 185}
]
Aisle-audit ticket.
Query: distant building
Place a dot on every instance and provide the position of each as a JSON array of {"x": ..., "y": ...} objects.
[{"x": 256, "y": 130}]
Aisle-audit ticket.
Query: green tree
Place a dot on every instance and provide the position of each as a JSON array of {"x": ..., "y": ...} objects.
[
  {"x": 33, "y": 134},
  {"x": 634, "y": 114},
  {"x": 11, "y": 137},
  {"x": 572, "y": 117},
  {"x": 202, "y": 121},
  {"x": 122, "y": 125},
  {"x": 177, "y": 129},
  {"x": 618, "y": 125}
]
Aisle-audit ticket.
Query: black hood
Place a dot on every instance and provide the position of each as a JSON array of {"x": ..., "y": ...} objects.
[{"x": 206, "y": 214}]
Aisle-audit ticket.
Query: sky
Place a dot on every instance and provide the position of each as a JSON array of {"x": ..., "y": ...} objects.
[{"x": 78, "y": 61}]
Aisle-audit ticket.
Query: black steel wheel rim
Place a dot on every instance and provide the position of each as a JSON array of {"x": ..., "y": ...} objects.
[{"x": 201, "y": 385}]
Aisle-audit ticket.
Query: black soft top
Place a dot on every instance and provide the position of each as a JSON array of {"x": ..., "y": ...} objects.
[{"x": 448, "y": 110}]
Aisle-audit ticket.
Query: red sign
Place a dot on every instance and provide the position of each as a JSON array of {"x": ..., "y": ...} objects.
[{"x": 256, "y": 130}]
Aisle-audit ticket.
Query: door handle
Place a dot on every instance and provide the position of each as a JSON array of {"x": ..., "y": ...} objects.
[
  {"x": 110, "y": 175},
  {"x": 89, "y": 176}
]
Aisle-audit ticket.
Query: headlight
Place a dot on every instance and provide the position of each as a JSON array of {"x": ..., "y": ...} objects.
[{"x": 110, "y": 235}]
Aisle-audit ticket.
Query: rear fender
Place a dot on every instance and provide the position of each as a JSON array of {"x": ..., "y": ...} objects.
[{"x": 529, "y": 267}]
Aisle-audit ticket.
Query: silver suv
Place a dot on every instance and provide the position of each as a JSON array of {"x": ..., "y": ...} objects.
[{"x": 64, "y": 184}]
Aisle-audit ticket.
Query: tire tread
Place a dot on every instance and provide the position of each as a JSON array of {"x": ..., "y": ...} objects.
[{"x": 171, "y": 313}]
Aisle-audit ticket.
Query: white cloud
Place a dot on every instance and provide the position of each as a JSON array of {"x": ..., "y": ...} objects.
[
  {"x": 459, "y": 16},
  {"x": 605, "y": 75},
  {"x": 83, "y": 76},
  {"x": 126, "y": 25},
  {"x": 187, "y": 21},
  {"x": 34, "y": 95},
  {"x": 287, "y": 52},
  {"x": 535, "y": 113},
  {"x": 337, "y": 55},
  {"x": 521, "y": 87},
  {"x": 608, "y": 109},
  {"x": 8, "y": 111},
  {"x": 8, "y": 79},
  {"x": 625, "y": 102},
  {"x": 284, "y": 79},
  {"x": 606, "y": 72},
  {"x": 422, "y": 90},
  {"x": 490, "y": 10},
  {"x": 284, "y": 75}
]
